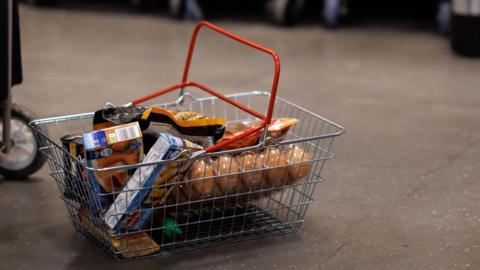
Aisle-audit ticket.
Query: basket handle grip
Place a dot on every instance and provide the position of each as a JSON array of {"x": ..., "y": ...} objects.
[
  {"x": 185, "y": 82},
  {"x": 272, "y": 53}
]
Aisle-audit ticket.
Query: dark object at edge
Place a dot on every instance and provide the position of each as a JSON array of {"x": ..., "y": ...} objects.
[
  {"x": 465, "y": 35},
  {"x": 16, "y": 57}
]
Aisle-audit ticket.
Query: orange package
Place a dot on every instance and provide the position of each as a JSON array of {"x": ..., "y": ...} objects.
[
  {"x": 131, "y": 245},
  {"x": 277, "y": 130}
]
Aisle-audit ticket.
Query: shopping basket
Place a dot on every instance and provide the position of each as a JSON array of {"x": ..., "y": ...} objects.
[{"x": 191, "y": 223}]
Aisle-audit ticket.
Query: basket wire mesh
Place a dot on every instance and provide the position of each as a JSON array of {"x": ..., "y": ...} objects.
[{"x": 274, "y": 206}]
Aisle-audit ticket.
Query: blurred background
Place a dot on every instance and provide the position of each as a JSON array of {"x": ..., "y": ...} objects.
[
  {"x": 331, "y": 13},
  {"x": 456, "y": 19},
  {"x": 401, "y": 76}
]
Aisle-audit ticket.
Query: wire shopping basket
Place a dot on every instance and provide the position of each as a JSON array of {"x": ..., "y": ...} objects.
[{"x": 268, "y": 198}]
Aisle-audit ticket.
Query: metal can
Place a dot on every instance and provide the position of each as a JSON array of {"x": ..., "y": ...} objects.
[{"x": 73, "y": 145}]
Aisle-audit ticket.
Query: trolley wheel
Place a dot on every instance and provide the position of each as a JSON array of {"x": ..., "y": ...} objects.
[
  {"x": 332, "y": 12},
  {"x": 24, "y": 157},
  {"x": 443, "y": 17},
  {"x": 185, "y": 9},
  {"x": 285, "y": 12}
]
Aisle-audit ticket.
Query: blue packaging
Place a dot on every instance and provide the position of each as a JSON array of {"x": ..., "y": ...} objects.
[{"x": 129, "y": 200}]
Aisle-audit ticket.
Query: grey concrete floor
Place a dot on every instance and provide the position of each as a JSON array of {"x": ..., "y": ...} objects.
[{"x": 403, "y": 192}]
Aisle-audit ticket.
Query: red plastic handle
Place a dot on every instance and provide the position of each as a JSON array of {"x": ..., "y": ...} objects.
[{"x": 266, "y": 119}]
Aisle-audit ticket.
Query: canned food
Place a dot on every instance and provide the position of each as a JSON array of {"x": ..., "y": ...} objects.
[
  {"x": 73, "y": 144},
  {"x": 74, "y": 188}
]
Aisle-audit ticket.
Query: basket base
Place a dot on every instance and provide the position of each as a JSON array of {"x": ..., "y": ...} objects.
[{"x": 248, "y": 223}]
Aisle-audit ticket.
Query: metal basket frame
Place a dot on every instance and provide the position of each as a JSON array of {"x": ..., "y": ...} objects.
[{"x": 244, "y": 213}]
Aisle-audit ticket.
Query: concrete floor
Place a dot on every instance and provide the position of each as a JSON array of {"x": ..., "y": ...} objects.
[{"x": 403, "y": 192}]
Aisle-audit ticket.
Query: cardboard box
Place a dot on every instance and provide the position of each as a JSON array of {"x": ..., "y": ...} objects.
[
  {"x": 110, "y": 147},
  {"x": 130, "y": 199}
]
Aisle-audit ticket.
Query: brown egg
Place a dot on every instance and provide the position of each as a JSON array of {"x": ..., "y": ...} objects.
[
  {"x": 274, "y": 158},
  {"x": 296, "y": 172},
  {"x": 251, "y": 161},
  {"x": 226, "y": 184},
  {"x": 199, "y": 170}
]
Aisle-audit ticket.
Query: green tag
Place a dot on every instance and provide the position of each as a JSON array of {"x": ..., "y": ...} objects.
[{"x": 170, "y": 227}]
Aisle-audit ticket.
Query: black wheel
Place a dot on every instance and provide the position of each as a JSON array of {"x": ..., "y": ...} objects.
[
  {"x": 185, "y": 9},
  {"x": 24, "y": 157},
  {"x": 285, "y": 12},
  {"x": 443, "y": 17},
  {"x": 332, "y": 10}
]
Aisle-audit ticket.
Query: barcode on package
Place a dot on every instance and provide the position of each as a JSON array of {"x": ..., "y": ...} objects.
[{"x": 123, "y": 133}]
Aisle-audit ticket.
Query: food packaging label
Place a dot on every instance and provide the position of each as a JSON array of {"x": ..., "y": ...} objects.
[
  {"x": 115, "y": 146},
  {"x": 108, "y": 136},
  {"x": 140, "y": 184}
]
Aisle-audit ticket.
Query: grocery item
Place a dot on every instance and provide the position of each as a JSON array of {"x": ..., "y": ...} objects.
[
  {"x": 159, "y": 191},
  {"x": 226, "y": 184},
  {"x": 249, "y": 161},
  {"x": 275, "y": 176},
  {"x": 115, "y": 146},
  {"x": 121, "y": 114},
  {"x": 237, "y": 128},
  {"x": 170, "y": 228},
  {"x": 161, "y": 188},
  {"x": 180, "y": 194},
  {"x": 111, "y": 115},
  {"x": 192, "y": 126},
  {"x": 249, "y": 171},
  {"x": 168, "y": 176},
  {"x": 73, "y": 145},
  {"x": 186, "y": 115},
  {"x": 130, "y": 246},
  {"x": 199, "y": 179},
  {"x": 279, "y": 127},
  {"x": 277, "y": 130},
  {"x": 135, "y": 245},
  {"x": 296, "y": 172},
  {"x": 135, "y": 221},
  {"x": 131, "y": 197}
]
